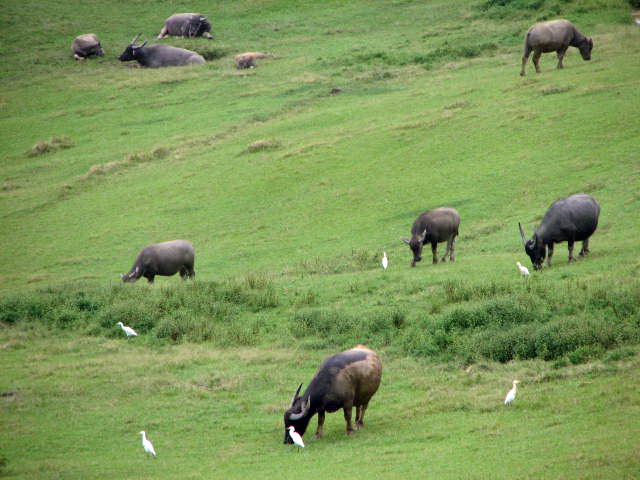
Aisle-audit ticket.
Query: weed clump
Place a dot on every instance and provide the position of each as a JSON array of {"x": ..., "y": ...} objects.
[
  {"x": 261, "y": 145},
  {"x": 47, "y": 146}
]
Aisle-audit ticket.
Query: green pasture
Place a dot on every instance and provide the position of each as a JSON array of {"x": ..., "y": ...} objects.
[{"x": 291, "y": 179}]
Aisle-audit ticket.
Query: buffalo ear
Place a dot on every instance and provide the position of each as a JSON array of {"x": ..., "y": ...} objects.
[
  {"x": 122, "y": 275},
  {"x": 406, "y": 240},
  {"x": 424, "y": 234}
]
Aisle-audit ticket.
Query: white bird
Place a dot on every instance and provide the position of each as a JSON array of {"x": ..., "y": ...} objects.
[
  {"x": 128, "y": 330},
  {"x": 148, "y": 446},
  {"x": 637, "y": 21},
  {"x": 524, "y": 271},
  {"x": 295, "y": 436},
  {"x": 511, "y": 394},
  {"x": 385, "y": 260}
]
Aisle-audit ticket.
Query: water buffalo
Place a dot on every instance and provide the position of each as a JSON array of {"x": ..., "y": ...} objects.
[
  {"x": 344, "y": 380},
  {"x": 155, "y": 56},
  {"x": 84, "y": 46},
  {"x": 554, "y": 36},
  {"x": 434, "y": 226},
  {"x": 571, "y": 219},
  {"x": 248, "y": 60},
  {"x": 165, "y": 259},
  {"x": 186, "y": 25}
]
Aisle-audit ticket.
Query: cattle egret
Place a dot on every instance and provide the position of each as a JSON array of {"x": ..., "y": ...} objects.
[
  {"x": 295, "y": 436},
  {"x": 524, "y": 271},
  {"x": 385, "y": 260},
  {"x": 128, "y": 330},
  {"x": 511, "y": 394},
  {"x": 148, "y": 446}
]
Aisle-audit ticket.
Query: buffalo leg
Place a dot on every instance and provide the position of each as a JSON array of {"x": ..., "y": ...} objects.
[
  {"x": 360, "y": 416},
  {"x": 585, "y": 248},
  {"x": 347, "y": 418},
  {"x": 434, "y": 251},
  {"x": 525, "y": 59},
  {"x": 320, "y": 424},
  {"x": 536, "y": 60},
  {"x": 550, "y": 254},
  {"x": 561, "y": 53},
  {"x": 452, "y": 256},
  {"x": 449, "y": 250},
  {"x": 571, "y": 257}
]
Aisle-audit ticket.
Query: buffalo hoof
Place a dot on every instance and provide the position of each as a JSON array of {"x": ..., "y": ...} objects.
[{"x": 350, "y": 432}]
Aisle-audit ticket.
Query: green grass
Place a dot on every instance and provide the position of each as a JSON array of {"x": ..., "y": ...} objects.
[{"x": 290, "y": 195}]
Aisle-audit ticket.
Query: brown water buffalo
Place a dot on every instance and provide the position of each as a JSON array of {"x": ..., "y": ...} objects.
[
  {"x": 344, "y": 380},
  {"x": 248, "y": 60},
  {"x": 554, "y": 36},
  {"x": 84, "y": 46},
  {"x": 165, "y": 259},
  {"x": 434, "y": 226}
]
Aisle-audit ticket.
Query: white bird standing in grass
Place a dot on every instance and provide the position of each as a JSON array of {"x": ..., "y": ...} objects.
[
  {"x": 511, "y": 394},
  {"x": 295, "y": 436},
  {"x": 148, "y": 446},
  {"x": 524, "y": 271},
  {"x": 385, "y": 260},
  {"x": 128, "y": 330}
]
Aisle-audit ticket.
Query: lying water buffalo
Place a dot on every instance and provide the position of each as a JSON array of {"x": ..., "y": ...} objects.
[
  {"x": 554, "y": 36},
  {"x": 344, "y": 380},
  {"x": 571, "y": 219},
  {"x": 434, "y": 226},
  {"x": 248, "y": 60},
  {"x": 84, "y": 46},
  {"x": 186, "y": 25},
  {"x": 155, "y": 56},
  {"x": 165, "y": 259}
]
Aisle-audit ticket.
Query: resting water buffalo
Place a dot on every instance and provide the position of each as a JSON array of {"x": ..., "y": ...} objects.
[
  {"x": 84, "y": 46},
  {"x": 570, "y": 219},
  {"x": 165, "y": 259},
  {"x": 434, "y": 226},
  {"x": 344, "y": 380},
  {"x": 155, "y": 56},
  {"x": 248, "y": 60},
  {"x": 186, "y": 25},
  {"x": 554, "y": 36}
]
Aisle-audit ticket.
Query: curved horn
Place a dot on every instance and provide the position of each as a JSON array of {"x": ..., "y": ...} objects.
[
  {"x": 303, "y": 412},
  {"x": 524, "y": 239},
  {"x": 295, "y": 395},
  {"x": 406, "y": 240},
  {"x": 135, "y": 39},
  {"x": 143, "y": 44}
]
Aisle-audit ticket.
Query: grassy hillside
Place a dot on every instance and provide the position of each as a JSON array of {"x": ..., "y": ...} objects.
[{"x": 290, "y": 194}]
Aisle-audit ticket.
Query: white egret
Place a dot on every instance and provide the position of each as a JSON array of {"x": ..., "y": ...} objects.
[
  {"x": 524, "y": 271},
  {"x": 295, "y": 436},
  {"x": 128, "y": 330},
  {"x": 148, "y": 446},
  {"x": 511, "y": 394},
  {"x": 385, "y": 260}
]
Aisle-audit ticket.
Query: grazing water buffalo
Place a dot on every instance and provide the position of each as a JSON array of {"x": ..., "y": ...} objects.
[
  {"x": 186, "y": 25},
  {"x": 571, "y": 219},
  {"x": 434, "y": 226},
  {"x": 155, "y": 56},
  {"x": 554, "y": 36},
  {"x": 248, "y": 60},
  {"x": 84, "y": 46},
  {"x": 165, "y": 259},
  {"x": 344, "y": 380}
]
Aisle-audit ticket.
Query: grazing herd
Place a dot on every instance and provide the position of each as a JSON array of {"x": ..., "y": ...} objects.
[{"x": 351, "y": 378}]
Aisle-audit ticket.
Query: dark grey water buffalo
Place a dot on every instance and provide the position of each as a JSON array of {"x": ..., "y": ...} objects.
[
  {"x": 554, "y": 36},
  {"x": 434, "y": 226},
  {"x": 155, "y": 56},
  {"x": 84, "y": 46},
  {"x": 186, "y": 25},
  {"x": 344, "y": 380},
  {"x": 165, "y": 259},
  {"x": 571, "y": 219}
]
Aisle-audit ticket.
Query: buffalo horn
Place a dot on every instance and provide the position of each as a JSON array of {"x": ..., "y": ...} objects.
[
  {"x": 524, "y": 239},
  {"x": 303, "y": 412},
  {"x": 406, "y": 240},
  {"x": 295, "y": 395},
  {"x": 135, "y": 39}
]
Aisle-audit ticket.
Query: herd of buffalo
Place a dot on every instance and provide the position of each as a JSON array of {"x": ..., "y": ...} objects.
[{"x": 352, "y": 377}]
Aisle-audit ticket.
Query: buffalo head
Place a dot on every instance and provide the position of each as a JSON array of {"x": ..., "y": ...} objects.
[
  {"x": 535, "y": 248},
  {"x": 416, "y": 243},
  {"x": 585, "y": 48},
  {"x": 131, "y": 50},
  {"x": 297, "y": 415}
]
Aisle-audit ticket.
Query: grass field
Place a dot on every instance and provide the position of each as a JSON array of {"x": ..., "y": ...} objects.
[{"x": 290, "y": 195}]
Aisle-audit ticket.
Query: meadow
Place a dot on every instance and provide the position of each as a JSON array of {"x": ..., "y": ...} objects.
[{"x": 291, "y": 179}]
